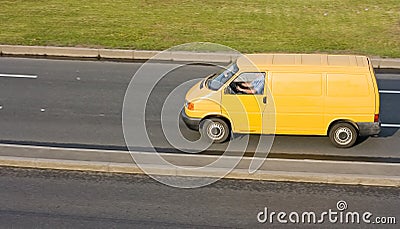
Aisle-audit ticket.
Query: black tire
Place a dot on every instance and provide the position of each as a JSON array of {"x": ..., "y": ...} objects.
[
  {"x": 215, "y": 129},
  {"x": 343, "y": 135}
]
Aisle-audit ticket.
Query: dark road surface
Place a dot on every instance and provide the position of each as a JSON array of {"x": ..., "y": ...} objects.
[
  {"x": 79, "y": 104},
  {"x": 57, "y": 199}
]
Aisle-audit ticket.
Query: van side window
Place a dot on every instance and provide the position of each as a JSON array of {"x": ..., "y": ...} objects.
[{"x": 247, "y": 83}]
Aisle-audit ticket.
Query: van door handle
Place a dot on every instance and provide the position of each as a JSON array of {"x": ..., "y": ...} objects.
[{"x": 265, "y": 99}]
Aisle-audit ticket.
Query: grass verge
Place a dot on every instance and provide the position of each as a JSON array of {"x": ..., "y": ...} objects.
[{"x": 342, "y": 26}]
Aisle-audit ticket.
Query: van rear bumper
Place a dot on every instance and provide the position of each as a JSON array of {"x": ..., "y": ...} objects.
[
  {"x": 369, "y": 128},
  {"x": 192, "y": 123}
]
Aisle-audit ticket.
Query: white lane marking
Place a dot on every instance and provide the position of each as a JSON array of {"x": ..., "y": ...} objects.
[
  {"x": 390, "y": 125},
  {"x": 18, "y": 76},
  {"x": 389, "y": 92}
]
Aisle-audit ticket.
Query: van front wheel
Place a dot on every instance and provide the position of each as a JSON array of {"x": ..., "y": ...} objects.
[
  {"x": 214, "y": 129},
  {"x": 343, "y": 135}
]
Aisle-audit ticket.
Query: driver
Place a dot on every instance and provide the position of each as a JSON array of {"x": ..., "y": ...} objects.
[{"x": 255, "y": 87}]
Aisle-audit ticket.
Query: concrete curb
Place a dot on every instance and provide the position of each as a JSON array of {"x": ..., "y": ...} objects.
[
  {"x": 114, "y": 53},
  {"x": 311, "y": 171},
  {"x": 144, "y": 55},
  {"x": 386, "y": 63}
]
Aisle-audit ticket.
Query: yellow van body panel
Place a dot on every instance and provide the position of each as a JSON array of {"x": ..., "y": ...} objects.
[
  {"x": 304, "y": 94},
  {"x": 205, "y": 101},
  {"x": 245, "y": 111},
  {"x": 350, "y": 96},
  {"x": 299, "y": 102}
]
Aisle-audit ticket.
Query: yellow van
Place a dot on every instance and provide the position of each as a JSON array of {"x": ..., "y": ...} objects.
[{"x": 296, "y": 94}]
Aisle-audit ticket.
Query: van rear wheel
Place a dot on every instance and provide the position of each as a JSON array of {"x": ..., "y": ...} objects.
[
  {"x": 343, "y": 135},
  {"x": 215, "y": 129}
]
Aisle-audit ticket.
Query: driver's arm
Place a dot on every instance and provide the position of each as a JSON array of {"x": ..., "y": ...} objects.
[
  {"x": 246, "y": 84},
  {"x": 245, "y": 90}
]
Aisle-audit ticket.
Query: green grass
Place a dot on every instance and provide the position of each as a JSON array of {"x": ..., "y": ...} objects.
[{"x": 370, "y": 27}]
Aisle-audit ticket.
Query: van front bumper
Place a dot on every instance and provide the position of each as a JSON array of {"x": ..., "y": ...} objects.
[
  {"x": 369, "y": 128},
  {"x": 192, "y": 123}
]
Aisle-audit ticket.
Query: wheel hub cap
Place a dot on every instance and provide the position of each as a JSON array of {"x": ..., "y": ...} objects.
[
  {"x": 215, "y": 131},
  {"x": 343, "y": 136}
]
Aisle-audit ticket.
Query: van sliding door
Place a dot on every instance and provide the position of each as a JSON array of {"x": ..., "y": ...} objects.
[{"x": 299, "y": 102}]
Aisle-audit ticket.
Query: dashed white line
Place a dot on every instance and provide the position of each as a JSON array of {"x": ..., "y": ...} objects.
[
  {"x": 18, "y": 76},
  {"x": 389, "y": 92},
  {"x": 391, "y": 125}
]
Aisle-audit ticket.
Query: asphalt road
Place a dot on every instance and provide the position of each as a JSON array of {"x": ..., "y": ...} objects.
[
  {"x": 79, "y": 104},
  {"x": 59, "y": 199}
]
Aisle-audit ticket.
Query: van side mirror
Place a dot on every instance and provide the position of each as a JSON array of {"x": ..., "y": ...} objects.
[{"x": 229, "y": 90}]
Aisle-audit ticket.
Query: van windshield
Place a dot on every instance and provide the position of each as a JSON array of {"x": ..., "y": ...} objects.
[{"x": 216, "y": 81}]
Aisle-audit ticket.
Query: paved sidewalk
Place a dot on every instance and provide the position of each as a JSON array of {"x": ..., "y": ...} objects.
[
  {"x": 144, "y": 55},
  {"x": 316, "y": 171}
]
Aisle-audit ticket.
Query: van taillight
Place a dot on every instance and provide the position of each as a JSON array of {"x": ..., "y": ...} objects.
[{"x": 376, "y": 118}]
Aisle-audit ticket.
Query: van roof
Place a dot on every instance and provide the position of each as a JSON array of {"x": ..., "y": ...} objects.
[{"x": 320, "y": 60}]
